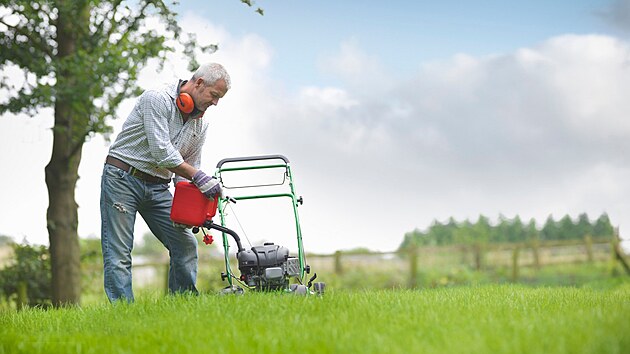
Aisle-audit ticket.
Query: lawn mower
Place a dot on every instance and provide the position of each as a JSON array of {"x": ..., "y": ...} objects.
[{"x": 266, "y": 267}]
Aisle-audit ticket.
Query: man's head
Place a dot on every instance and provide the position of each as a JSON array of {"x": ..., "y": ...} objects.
[{"x": 208, "y": 84}]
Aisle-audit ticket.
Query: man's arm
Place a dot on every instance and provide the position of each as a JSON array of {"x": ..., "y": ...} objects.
[{"x": 185, "y": 170}]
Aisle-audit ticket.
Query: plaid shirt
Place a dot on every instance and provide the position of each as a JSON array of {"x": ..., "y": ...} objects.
[{"x": 154, "y": 137}]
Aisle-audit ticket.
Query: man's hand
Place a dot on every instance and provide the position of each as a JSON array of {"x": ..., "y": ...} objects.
[{"x": 208, "y": 185}]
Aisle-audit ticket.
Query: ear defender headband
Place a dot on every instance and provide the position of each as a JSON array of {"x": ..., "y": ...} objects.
[{"x": 184, "y": 101}]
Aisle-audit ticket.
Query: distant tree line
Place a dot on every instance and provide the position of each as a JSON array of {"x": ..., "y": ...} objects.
[{"x": 508, "y": 230}]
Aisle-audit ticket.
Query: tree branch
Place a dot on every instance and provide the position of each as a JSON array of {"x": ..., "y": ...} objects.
[{"x": 38, "y": 41}]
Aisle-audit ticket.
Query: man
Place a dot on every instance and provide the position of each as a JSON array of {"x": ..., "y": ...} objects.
[{"x": 162, "y": 136}]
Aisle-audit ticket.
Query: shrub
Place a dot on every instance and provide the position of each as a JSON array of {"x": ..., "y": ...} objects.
[{"x": 31, "y": 267}]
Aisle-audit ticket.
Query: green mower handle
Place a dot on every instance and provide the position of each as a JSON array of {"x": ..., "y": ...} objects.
[{"x": 253, "y": 158}]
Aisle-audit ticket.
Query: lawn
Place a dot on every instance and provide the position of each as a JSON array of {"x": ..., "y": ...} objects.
[{"x": 466, "y": 319}]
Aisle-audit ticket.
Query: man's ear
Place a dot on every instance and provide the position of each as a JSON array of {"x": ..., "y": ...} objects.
[{"x": 199, "y": 82}]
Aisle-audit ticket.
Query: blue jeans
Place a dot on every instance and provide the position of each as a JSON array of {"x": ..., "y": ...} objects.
[{"x": 122, "y": 196}]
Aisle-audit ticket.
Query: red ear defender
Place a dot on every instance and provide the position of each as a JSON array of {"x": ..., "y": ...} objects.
[{"x": 184, "y": 101}]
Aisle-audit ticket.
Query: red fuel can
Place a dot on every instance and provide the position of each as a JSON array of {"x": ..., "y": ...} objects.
[{"x": 190, "y": 207}]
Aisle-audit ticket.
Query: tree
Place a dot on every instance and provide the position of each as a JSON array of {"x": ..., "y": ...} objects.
[
  {"x": 566, "y": 228},
  {"x": 550, "y": 229},
  {"x": 412, "y": 239},
  {"x": 583, "y": 227},
  {"x": 482, "y": 230},
  {"x": 517, "y": 232},
  {"x": 502, "y": 229},
  {"x": 80, "y": 57},
  {"x": 531, "y": 231},
  {"x": 603, "y": 227}
]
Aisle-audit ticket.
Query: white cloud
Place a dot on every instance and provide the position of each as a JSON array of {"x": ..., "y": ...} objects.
[
  {"x": 358, "y": 69},
  {"x": 536, "y": 132}
]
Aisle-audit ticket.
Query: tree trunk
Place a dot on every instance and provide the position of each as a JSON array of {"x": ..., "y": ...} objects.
[
  {"x": 62, "y": 170},
  {"x": 62, "y": 220}
]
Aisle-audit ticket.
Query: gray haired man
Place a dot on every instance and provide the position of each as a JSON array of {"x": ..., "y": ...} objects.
[{"x": 161, "y": 138}]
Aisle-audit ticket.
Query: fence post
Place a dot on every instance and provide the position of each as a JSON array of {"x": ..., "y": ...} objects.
[
  {"x": 618, "y": 253},
  {"x": 535, "y": 253},
  {"x": 413, "y": 266},
  {"x": 463, "y": 250},
  {"x": 515, "y": 269},
  {"x": 588, "y": 243},
  {"x": 338, "y": 266},
  {"x": 22, "y": 295},
  {"x": 478, "y": 254}
]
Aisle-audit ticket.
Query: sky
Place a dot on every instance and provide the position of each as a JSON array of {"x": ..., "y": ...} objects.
[{"x": 394, "y": 115}]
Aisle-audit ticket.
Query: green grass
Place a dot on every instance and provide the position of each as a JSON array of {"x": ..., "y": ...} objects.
[{"x": 475, "y": 319}]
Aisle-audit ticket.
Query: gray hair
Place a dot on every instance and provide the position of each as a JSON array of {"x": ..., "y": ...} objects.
[{"x": 211, "y": 73}]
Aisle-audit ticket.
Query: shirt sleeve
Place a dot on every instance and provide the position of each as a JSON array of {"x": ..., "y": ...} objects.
[{"x": 155, "y": 115}]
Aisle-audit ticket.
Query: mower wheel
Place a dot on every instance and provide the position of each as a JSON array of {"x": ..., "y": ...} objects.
[
  {"x": 300, "y": 290},
  {"x": 232, "y": 290},
  {"x": 319, "y": 288}
]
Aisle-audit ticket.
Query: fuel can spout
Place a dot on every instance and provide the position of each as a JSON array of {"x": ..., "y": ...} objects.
[{"x": 210, "y": 225}]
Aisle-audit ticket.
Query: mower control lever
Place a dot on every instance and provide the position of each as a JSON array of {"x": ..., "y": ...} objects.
[{"x": 310, "y": 281}]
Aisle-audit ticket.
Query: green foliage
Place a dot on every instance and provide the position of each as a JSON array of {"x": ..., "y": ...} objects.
[
  {"x": 90, "y": 250},
  {"x": 388, "y": 275},
  {"x": 81, "y": 58},
  {"x": 31, "y": 267},
  {"x": 507, "y": 230},
  {"x": 357, "y": 250},
  {"x": 602, "y": 226},
  {"x": 251, "y": 3},
  {"x": 150, "y": 246},
  {"x": 91, "y": 266},
  {"x": 483, "y": 319},
  {"x": 84, "y": 53}
]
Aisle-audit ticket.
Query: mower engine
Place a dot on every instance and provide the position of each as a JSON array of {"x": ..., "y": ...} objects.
[{"x": 267, "y": 267}]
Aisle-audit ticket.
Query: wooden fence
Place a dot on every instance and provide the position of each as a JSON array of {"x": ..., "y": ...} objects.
[
  {"x": 478, "y": 257},
  {"x": 153, "y": 273},
  {"x": 515, "y": 257}
]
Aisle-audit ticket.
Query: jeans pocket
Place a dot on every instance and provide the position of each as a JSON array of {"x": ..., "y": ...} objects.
[
  {"x": 114, "y": 172},
  {"x": 162, "y": 188}
]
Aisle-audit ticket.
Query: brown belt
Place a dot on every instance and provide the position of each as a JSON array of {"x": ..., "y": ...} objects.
[{"x": 110, "y": 160}]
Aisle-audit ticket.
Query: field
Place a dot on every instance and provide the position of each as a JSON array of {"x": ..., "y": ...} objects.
[{"x": 460, "y": 319}]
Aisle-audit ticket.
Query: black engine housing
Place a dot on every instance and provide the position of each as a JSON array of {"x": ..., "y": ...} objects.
[{"x": 266, "y": 267}]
